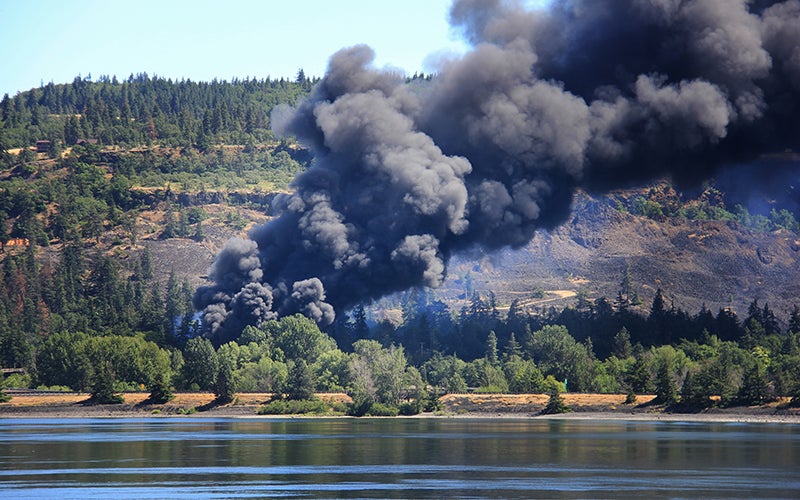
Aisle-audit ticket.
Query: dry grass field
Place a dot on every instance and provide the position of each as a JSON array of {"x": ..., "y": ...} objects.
[{"x": 600, "y": 406}]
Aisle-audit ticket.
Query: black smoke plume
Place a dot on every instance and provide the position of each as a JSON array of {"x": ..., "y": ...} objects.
[{"x": 591, "y": 94}]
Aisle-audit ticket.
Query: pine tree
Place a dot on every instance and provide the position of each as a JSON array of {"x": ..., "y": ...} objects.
[
  {"x": 199, "y": 234},
  {"x": 621, "y": 303},
  {"x": 103, "y": 384},
  {"x": 146, "y": 262},
  {"x": 225, "y": 384},
  {"x": 770, "y": 322},
  {"x": 200, "y": 363},
  {"x": 666, "y": 389},
  {"x": 639, "y": 378},
  {"x": 71, "y": 130},
  {"x": 754, "y": 313},
  {"x": 555, "y": 403},
  {"x": 300, "y": 381},
  {"x": 513, "y": 348},
  {"x": 170, "y": 225},
  {"x": 183, "y": 224},
  {"x": 755, "y": 388},
  {"x": 794, "y": 320},
  {"x": 630, "y": 397},
  {"x": 695, "y": 391},
  {"x": 160, "y": 390},
  {"x": 627, "y": 295},
  {"x": 658, "y": 309},
  {"x": 622, "y": 344},
  {"x": 173, "y": 304},
  {"x": 491, "y": 349},
  {"x": 360, "y": 328},
  {"x": 188, "y": 310}
]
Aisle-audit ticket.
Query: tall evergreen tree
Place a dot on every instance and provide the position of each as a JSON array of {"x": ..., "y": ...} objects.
[
  {"x": 513, "y": 348},
  {"x": 173, "y": 305},
  {"x": 794, "y": 320},
  {"x": 300, "y": 382},
  {"x": 622, "y": 344},
  {"x": 491, "y": 349},
  {"x": 360, "y": 328},
  {"x": 666, "y": 388}
]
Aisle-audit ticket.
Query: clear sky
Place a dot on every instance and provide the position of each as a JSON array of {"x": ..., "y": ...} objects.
[{"x": 56, "y": 40}]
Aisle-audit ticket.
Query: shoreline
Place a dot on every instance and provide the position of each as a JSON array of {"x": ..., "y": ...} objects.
[{"x": 599, "y": 407}]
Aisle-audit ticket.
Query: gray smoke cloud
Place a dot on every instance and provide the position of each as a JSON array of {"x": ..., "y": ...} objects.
[{"x": 592, "y": 94}]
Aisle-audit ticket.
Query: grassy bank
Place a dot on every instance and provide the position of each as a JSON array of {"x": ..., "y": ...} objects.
[{"x": 600, "y": 406}]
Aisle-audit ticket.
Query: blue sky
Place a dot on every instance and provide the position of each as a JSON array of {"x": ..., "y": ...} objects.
[{"x": 55, "y": 40}]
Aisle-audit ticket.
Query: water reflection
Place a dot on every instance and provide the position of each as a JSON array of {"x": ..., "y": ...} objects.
[{"x": 198, "y": 457}]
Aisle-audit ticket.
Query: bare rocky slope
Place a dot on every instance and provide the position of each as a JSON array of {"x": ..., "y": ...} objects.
[
  {"x": 719, "y": 263},
  {"x": 716, "y": 263}
]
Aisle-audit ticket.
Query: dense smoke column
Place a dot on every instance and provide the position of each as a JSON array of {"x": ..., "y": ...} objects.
[
  {"x": 674, "y": 88},
  {"x": 598, "y": 94}
]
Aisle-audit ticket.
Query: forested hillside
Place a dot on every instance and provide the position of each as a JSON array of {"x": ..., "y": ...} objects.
[
  {"x": 112, "y": 193},
  {"x": 146, "y": 110}
]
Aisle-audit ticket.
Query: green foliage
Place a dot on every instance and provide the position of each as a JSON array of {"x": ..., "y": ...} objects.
[
  {"x": 490, "y": 389},
  {"x": 300, "y": 382},
  {"x": 131, "y": 361},
  {"x": 410, "y": 408},
  {"x": 663, "y": 367},
  {"x": 161, "y": 389},
  {"x": 555, "y": 404},
  {"x": 666, "y": 389},
  {"x": 362, "y": 402},
  {"x": 755, "y": 222},
  {"x": 755, "y": 388},
  {"x": 382, "y": 410},
  {"x": 484, "y": 376},
  {"x": 302, "y": 407},
  {"x": 647, "y": 208},
  {"x": 97, "y": 188},
  {"x": 332, "y": 371},
  {"x": 299, "y": 337},
  {"x": 18, "y": 381},
  {"x": 225, "y": 385},
  {"x": 142, "y": 109},
  {"x": 557, "y": 353},
  {"x": 611, "y": 375},
  {"x": 661, "y": 202},
  {"x": 550, "y": 384},
  {"x": 102, "y": 384},
  {"x": 200, "y": 363},
  {"x": 695, "y": 393},
  {"x": 491, "y": 349},
  {"x": 622, "y": 344},
  {"x": 263, "y": 375},
  {"x": 4, "y": 398},
  {"x": 522, "y": 375},
  {"x": 444, "y": 373},
  {"x": 432, "y": 403},
  {"x": 54, "y": 388},
  {"x": 377, "y": 372},
  {"x": 61, "y": 361}
]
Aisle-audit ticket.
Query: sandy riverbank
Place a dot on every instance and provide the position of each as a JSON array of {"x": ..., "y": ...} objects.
[{"x": 584, "y": 406}]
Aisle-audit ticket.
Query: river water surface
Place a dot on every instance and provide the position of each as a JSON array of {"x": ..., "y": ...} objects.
[{"x": 395, "y": 458}]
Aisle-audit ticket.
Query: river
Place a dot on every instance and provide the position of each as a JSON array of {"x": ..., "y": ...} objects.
[{"x": 395, "y": 458}]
